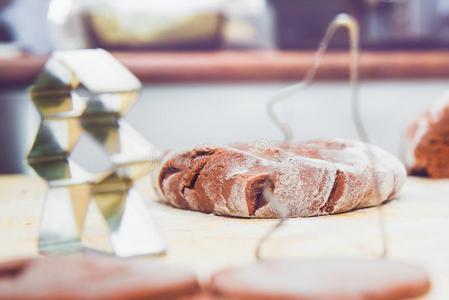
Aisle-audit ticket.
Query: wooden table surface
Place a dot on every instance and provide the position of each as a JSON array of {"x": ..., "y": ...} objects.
[
  {"x": 417, "y": 227},
  {"x": 249, "y": 65}
]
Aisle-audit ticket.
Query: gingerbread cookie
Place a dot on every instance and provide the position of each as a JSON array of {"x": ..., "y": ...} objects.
[
  {"x": 312, "y": 178},
  {"x": 321, "y": 279},
  {"x": 89, "y": 278}
]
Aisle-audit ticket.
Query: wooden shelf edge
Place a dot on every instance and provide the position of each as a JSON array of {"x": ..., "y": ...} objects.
[{"x": 249, "y": 66}]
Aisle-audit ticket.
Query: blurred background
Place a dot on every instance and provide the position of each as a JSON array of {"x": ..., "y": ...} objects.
[
  {"x": 209, "y": 66},
  {"x": 45, "y": 25}
]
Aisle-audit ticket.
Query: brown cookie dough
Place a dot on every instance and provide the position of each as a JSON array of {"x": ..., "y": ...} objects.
[
  {"x": 312, "y": 178},
  {"x": 321, "y": 279},
  {"x": 427, "y": 142},
  {"x": 89, "y": 278}
]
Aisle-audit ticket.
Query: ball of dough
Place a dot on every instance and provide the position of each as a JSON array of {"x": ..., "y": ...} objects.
[{"x": 312, "y": 178}]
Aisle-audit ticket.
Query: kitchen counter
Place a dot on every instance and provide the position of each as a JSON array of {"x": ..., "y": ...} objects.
[
  {"x": 416, "y": 224},
  {"x": 249, "y": 65}
]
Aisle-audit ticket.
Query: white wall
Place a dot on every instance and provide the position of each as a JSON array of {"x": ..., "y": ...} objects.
[
  {"x": 180, "y": 115},
  {"x": 174, "y": 116}
]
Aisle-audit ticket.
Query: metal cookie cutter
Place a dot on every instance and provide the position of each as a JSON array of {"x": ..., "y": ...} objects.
[{"x": 89, "y": 91}]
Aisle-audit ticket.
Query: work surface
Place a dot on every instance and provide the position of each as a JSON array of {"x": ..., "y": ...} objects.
[
  {"x": 218, "y": 66},
  {"x": 417, "y": 227}
]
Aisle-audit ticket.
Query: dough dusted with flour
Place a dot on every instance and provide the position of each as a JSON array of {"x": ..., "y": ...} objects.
[
  {"x": 427, "y": 141},
  {"x": 312, "y": 178}
]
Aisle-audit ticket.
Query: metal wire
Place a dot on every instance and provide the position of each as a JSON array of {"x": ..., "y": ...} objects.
[
  {"x": 351, "y": 25},
  {"x": 268, "y": 194},
  {"x": 289, "y": 91}
]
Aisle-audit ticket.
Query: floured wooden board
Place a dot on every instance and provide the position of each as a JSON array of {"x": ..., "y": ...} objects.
[{"x": 417, "y": 226}]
